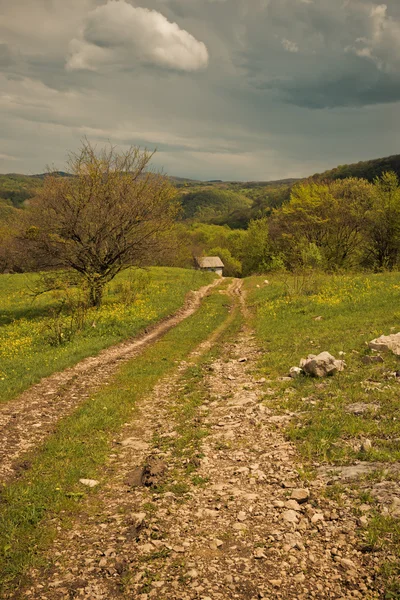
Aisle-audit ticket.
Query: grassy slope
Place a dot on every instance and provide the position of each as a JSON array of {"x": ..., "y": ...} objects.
[
  {"x": 354, "y": 310},
  {"x": 27, "y": 329},
  {"x": 82, "y": 442}
]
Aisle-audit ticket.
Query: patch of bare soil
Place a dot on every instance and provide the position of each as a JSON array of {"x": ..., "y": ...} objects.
[
  {"x": 26, "y": 421},
  {"x": 252, "y": 531}
]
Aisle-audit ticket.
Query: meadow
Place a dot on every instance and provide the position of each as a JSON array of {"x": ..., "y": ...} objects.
[
  {"x": 40, "y": 334},
  {"x": 295, "y": 316}
]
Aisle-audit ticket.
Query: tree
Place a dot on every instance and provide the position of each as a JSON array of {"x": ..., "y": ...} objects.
[
  {"x": 110, "y": 213},
  {"x": 257, "y": 252},
  {"x": 330, "y": 215},
  {"x": 384, "y": 223}
]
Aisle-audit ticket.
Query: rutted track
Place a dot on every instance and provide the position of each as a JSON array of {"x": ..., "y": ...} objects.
[{"x": 26, "y": 421}]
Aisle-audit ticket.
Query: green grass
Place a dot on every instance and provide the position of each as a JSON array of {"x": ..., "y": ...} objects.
[
  {"x": 34, "y": 343},
  {"x": 50, "y": 492},
  {"x": 354, "y": 310}
]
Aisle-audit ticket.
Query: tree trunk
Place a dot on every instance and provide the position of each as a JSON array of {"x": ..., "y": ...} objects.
[{"x": 95, "y": 293}]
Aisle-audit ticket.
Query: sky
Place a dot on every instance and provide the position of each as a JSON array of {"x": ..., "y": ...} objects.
[{"x": 223, "y": 89}]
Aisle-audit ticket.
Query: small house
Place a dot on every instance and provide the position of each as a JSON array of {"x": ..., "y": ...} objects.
[{"x": 210, "y": 263}]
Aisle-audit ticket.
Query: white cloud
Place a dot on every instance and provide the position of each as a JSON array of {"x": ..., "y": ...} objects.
[
  {"x": 118, "y": 33},
  {"x": 381, "y": 40}
]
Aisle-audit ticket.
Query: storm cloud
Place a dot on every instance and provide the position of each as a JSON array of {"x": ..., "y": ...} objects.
[{"x": 226, "y": 89}]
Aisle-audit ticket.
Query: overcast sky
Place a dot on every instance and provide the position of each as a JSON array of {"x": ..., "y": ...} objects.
[{"x": 225, "y": 89}]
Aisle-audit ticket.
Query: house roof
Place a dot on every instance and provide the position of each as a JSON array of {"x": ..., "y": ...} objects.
[{"x": 210, "y": 262}]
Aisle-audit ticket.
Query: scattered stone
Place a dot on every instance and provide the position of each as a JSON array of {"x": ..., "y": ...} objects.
[
  {"x": 290, "y": 516},
  {"x": 293, "y": 505},
  {"x": 89, "y": 482},
  {"x": 242, "y": 360},
  {"x": 317, "y": 518},
  {"x": 301, "y": 495},
  {"x": 259, "y": 553},
  {"x": 295, "y": 372},
  {"x": 359, "y": 408},
  {"x": 322, "y": 365},
  {"x": 299, "y": 578},
  {"x": 242, "y": 516},
  {"x": 347, "y": 563},
  {"x": 387, "y": 343},
  {"x": 318, "y": 318},
  {"x": 369, "y": 360},
  {"x": 366, "y": 446}
]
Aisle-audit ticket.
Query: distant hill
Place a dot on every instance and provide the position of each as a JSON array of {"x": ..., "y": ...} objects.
[
  {"x": 15, "y": 188},
  {"x": 201, "y": 197},
  {"x": 367, "y": 169}
]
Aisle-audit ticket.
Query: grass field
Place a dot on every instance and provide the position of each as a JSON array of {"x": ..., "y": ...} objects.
[
  {"x": 31, "y": 507},
  {"x": 39, "y": 337},
  {"x": 295, "y": 317}
]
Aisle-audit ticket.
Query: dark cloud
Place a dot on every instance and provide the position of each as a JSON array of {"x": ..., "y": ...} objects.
[{"x": 258, "y": 89}]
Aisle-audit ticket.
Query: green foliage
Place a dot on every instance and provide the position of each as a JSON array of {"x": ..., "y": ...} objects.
[
  {"x": 47, "y": 333},
  {"x": 257, "y": 252},
  {"x": 383, "y": 224},
  {"x": 369, "y": 169},
  {"x": 233, "y": 266},
  {"x": 218, "y": 206}
]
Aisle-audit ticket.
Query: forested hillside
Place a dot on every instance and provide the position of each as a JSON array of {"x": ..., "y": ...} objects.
[{"x": 368, "y": 169}]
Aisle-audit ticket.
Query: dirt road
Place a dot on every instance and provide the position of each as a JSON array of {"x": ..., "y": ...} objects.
[
  {"x": 244, "y": 527},
  {"x": 26, "y": 421}
]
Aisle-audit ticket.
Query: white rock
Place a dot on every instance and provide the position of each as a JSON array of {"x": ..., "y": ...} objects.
[
  {"x": 387, "y": 343},
  {"x": 322, "y": 365},
  {"x": 89, "y": 482},
  {"x": 295, "y": 372}
]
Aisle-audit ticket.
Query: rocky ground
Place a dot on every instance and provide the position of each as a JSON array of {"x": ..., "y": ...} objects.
[{"x": 246, "y": 526}]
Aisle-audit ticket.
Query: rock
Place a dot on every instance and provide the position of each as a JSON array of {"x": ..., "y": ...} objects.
[
  {"x": 242, "y": 516},
  {"x": 387, "y": 343},
  {"x": 369, "y": 360},
  {"x": 293, "y": 505},
  {"x": 276, "y": 582},
  {"x": 318, "y": 318},
  {"x": 347, "y": 563},
  {"x": 138, "y": 519},
  {"x": 259, "y": 553},
  {"x": 295, "y": 372},
  {"x": 366, "y": 446},
  {"x": 242, "y": 360},
  {"x": 322, "y": 365},
  {"x": 89, "y": 482},
  {"x": 301, "y": 495},
  {"x": 316, "y": 518},
  {"x": 290, "y": 516},
  {"x": 359, "y": 408},
  {"x": 299, "y": 578},
  {"x": 153, "y": 471}
]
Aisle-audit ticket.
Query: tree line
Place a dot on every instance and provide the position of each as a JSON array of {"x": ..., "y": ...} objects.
[{"x": 114, "y": 211}]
